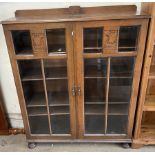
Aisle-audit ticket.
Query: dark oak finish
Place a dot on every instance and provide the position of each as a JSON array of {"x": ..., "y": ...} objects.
[
  {"x": 4, "y": 129},
  {"x": 77, "y": 71}
]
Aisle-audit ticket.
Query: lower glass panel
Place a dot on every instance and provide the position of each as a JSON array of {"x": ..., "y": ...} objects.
[
  {"x": 60, "y": 124},
  {"x": 117, "y": 124},
  {"x": 94, "y": 124},
  {"x": 118, "y": 109},
  {"x": 57, "y": 92},
  {"x": 94, "y": 95},
  {"x": 120, "y": 89},
  {"x": 39, "y": 124}
]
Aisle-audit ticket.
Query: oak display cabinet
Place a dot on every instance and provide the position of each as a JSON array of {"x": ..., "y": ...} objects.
[{"x": 77, "y": 71}]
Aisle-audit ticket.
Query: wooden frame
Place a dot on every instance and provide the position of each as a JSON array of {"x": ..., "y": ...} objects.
[
  {"x": 140, "y": 140},
  {"x": 136, "y": 76},
  {"x": 73, "y": 20},
  {"x": 42, "y": 56},
  {"x": 4, "y": 129}
]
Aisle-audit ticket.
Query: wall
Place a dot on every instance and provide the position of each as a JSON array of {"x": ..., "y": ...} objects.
[{"x": 6, "y": 77}]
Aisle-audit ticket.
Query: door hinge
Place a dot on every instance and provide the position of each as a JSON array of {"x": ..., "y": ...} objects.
[
  {"x": 76, "y": 91},
  {"x": 72, "y": 33},
  {"x": 73, "y": 91}
]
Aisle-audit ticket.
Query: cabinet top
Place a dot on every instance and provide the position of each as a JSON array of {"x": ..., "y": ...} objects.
[{"x": 76, "y": 13}]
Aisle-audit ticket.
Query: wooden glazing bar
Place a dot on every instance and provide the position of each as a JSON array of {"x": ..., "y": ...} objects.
[
  {"x": 52, "y": 56},
  {"x": 46, "y": 96},
  {"x": 112, "y": 54},
  {"x": 107, "y": 94}
]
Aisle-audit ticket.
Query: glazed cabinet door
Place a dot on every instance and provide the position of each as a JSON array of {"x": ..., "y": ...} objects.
[
  {"x": 109, "y": 59},
  {"x": 43, "y": 57}
]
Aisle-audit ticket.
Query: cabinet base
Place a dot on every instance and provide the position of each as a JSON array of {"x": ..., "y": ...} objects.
[
  {"x": 136, "y": 145},
  {"x": 32, "y": 145},
  {"x": 79, "y": 141},
  {"x": 126, "y": 145}
]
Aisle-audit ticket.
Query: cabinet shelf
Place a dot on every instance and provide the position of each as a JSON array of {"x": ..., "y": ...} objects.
[
  {"x": 87, "y": 102},
  {"x": 94, "y": 77},
  {"x": 121, "y": 47},
  {"x": 37, "y": 99},
  {"x": 114, "y": 109},
  {"x": 92, "y": 48},
  {"x": 102, "y": 103},
  {"x": 152, "y": 72},
  {"x": 30, "y": 70},
  {"x": 94, "y": 72},
  {"x": 59, "y": 110},
  {"x": 55, "y": 99},
  {"x": 94, "y": 109},
  {"x": 56, "y": 78},
  {"x": 117, "y": 109},
  {"x": 37, "y": 111},
  {"x": 148, "y": 131},
  {"x": 32, "y": 78},
  {"x": 149, "y": 103},
  {"x": 25, "y": 53},
  {"x": 56, "y": 73},
  {"x": 111, "y": 77}
]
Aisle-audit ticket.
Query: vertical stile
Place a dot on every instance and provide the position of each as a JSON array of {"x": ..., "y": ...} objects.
[
  {"x": 107, "y": 94},
  {"x": 46, "y": 96}
]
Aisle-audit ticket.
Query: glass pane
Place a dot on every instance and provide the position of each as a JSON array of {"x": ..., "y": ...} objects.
[
  {"x": 95, "y": 68},
  {"x": 120, "y": 90},
  {"x": 92, "y": 40},
  {"x": 56, "y": 40},
  {"x": 36, "y": 106},
  {"x": 34, "y": 93},
  {"x": 120, "y": 85},
  {"x": 94, "y": 124},
  {"x": 55, "y": 69},
  {"x": 60, "y": 124},
  {"x": 30, "y": 70},
  {"x": 22, "y": 42},
  {"x": 39, "y": 124},
  {"x": 128, "y": 37},
  {"x": 94, "y": 95},
  {"x": 58, "y": 97},
  {"x": 117, "y": 124}
]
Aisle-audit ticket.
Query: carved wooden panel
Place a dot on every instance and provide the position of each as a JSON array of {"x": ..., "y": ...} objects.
[
  {"x": 110, "y": 39},
  {"x": 38, "y": 42}
]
